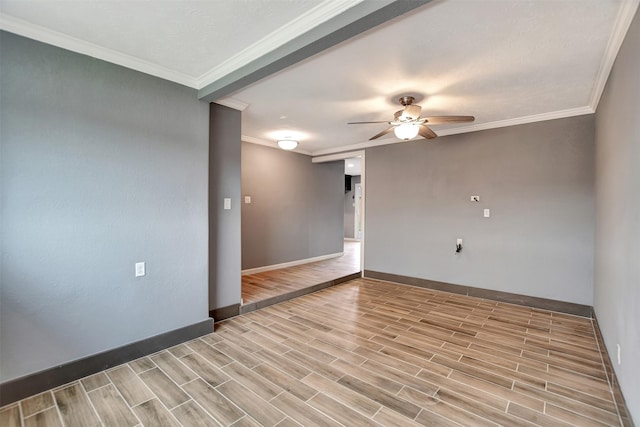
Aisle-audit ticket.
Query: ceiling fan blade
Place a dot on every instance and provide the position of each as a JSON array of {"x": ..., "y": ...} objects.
[
  {"x": 436, "y": 120},
  {"x": 384, "y": 132},
  {"x": 363, "y": 123},
  {"x": 426, "y": 132}
]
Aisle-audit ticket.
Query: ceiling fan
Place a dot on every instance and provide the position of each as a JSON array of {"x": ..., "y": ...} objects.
[{"x": 408, "y": 124}]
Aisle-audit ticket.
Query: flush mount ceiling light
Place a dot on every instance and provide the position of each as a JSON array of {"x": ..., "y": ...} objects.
[
  {"x": 406, "y": 131},
  {"x": 287, "y": 144}
]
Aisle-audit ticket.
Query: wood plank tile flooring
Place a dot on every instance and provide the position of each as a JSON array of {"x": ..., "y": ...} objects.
[
  {"x": 268, "y": 284},
  {"x": 362, "y": 353}
]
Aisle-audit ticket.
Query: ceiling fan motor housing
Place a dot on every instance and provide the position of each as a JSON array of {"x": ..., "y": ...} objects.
[{"x": 410, "y": 113}]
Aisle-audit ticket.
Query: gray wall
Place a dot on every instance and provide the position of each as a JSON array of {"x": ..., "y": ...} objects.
[
  {"x": 101, "y": 167},
  {"x": 537, "y": 179},
  {"x": 225, "y": 286},
  {"x": 296, "y": 209},
  {"x": 349, "y": 208},
  {"x": 617, "y": 260}
]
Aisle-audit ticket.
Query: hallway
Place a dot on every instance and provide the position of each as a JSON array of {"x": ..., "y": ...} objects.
[{"x": 280, "y": 285}]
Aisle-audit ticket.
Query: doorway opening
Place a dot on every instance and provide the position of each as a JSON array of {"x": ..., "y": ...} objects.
[
  {"x": 354, "y": 205},
  {"x": 353, "y": 224},
  {"x": 264, "y": 286},
  {"x": 353, "y": 199}
]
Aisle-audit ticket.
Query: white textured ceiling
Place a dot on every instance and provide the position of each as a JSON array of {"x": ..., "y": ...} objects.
[
  {"x": 503, "y": 61},
  {"x": 187, "y": 41},
  {"x": 190, "y": 37},
  {"x": 495, "y": 60}
]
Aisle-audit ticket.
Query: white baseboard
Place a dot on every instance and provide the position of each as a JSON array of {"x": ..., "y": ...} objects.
[
  {"x": 290, "y": 263},
  {"x": 351, "y": 239}
]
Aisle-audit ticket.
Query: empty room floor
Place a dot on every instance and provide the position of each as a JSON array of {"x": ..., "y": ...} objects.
[
  {"x": 273, "y": 283},
  {"x": 365, "y": 352}
]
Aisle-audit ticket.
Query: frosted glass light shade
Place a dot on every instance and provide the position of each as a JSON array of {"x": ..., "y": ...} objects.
[
  {"x": 287, "y": 144},
  {"x": 406, "y": 131}
]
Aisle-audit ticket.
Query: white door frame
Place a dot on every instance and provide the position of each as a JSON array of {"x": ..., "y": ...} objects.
[{"x": 357, "y": 212}]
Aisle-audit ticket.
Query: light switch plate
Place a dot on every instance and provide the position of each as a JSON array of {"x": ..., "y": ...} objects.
[
  {"x": 227, "y": 203},
  {"x": 140, "y": 269},
  {"x": 487, "y": 213}
]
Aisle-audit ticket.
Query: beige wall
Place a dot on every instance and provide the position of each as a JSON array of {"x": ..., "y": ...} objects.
[
  {"x": 537, "y": 179},
  {"x": 296, "y": 209},
  {"x": 100, "y": 167},
  {"x": 617, "y": 260}
]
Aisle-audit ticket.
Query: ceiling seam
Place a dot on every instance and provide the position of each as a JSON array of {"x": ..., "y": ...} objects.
[{"x": 295, "y": 28}]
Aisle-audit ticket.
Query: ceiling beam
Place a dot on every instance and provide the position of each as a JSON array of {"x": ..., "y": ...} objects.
[{"x": 353, "y": 21}]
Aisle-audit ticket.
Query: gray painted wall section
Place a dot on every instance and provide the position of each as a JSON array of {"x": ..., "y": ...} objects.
[
  {"x": 296, "y": 209},
  {"x": 100, "y": 167},
  {"x": 349, "y": 208},
  {"x": 225, "y": 287},
  {"x": 537, "y": 179},
  {"x": 617, "y": 260}
]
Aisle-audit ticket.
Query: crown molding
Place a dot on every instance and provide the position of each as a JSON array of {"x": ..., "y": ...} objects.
[
  {"x": 45, "y": 35},
  {"x": 354, "y": 147},
  {"x": 623, "y": 21},
  {"x": 295, "y": 28},
  {"x": 561, "y": 114},
  {"x": 339, "y": 156},
  {"x": 259, "y": 141},
  {"x": 232, "y": 103},
  {"x": 272, "y": 144}
]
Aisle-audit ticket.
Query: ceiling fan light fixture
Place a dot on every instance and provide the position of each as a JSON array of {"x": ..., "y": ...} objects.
[
  {"x": 408, "y": 122},
  {"x": 406, "y": 131},
  {"x": 287, "y": 144}
]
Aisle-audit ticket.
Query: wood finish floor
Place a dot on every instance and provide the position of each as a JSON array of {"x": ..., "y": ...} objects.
[
  {"x": 268, "y": 284},
  {"x": 362, "y": 353}
]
